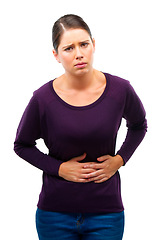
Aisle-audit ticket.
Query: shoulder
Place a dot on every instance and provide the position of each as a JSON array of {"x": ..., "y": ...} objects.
[
  {"x": 120, "y": 89},
  {"x": 44, "y": 94},
  {"x": 116, "y": 81},
  {"x": 44, "y": 90},
  {"x": 118, "y": 86}
]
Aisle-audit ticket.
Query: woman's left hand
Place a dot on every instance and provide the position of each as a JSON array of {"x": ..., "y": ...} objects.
[{"x": 107, "y": 167}]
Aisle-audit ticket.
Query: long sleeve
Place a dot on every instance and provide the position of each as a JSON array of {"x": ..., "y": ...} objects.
[
  {"x": 29, "y": 130},
  {"x": 134, "y": 114},
  {"x": 69, "y": 131}
]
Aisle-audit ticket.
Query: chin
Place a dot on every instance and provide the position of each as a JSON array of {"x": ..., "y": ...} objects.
[{"x": 81, "y": 72}]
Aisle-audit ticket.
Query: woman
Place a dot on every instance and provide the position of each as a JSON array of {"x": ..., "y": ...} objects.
[{"x": 78, "y": 115}]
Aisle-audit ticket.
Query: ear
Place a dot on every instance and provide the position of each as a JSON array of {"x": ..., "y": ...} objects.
[
  {"x": 56, "y": 55},
  {"x": 93, "y": 41}
]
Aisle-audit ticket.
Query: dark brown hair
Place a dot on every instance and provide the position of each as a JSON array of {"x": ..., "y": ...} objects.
[{"x": 69, "y": 21}]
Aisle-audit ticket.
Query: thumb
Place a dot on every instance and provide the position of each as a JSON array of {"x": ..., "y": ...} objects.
[
  {"x": 103, "y": 158},
  {"x": 79, "y": 158}
]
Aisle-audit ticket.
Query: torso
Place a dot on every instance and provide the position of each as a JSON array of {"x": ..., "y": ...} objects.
[{"x": 84, "y": 97}]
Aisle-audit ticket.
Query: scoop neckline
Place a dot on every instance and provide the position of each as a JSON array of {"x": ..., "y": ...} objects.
[{"x": 99, "y": 99}]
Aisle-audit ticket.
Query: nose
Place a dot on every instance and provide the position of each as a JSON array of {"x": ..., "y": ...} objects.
[{"x": 78, "y": 53}]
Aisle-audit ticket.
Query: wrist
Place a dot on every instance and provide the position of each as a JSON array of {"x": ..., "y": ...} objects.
[
  {"x": 60, "y": 172},
  {"x": 120, "y": 160}
]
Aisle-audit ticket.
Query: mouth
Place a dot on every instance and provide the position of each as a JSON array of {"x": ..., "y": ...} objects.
[{"x": 81, "y": 65}]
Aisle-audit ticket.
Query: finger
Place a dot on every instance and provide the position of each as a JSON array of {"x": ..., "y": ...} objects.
[
  {"x": 103, "y": 158},
  {"x": 79, "y": 158},
  {"x": 87, "y": 171},
  {"x": 94, "y": 174},
  {"x": 101, "y": 180},
  {"x": 86, "y": 165},
  {"x": 95, "y": 166},
  {"x": 83, "y": 180}
]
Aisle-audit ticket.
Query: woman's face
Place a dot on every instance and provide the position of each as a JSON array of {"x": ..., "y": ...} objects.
[{"x": 75, "y": 51}]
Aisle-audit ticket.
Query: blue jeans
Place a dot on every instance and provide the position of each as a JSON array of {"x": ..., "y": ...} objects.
[{"x": 72, "y": 226}]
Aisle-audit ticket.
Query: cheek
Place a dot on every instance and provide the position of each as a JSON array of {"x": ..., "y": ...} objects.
[
  {"x": 90, "y": 54},
  {"x": 66, "y": 60}
]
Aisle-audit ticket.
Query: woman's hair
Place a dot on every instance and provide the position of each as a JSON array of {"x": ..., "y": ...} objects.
[{"x": 69, "y": 21}]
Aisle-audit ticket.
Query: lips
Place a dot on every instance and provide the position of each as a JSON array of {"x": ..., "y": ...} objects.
[{"x": 81, "y": 65}]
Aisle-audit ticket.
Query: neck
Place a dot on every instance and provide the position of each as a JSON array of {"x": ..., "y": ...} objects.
[{"x": 80, "y": 82}]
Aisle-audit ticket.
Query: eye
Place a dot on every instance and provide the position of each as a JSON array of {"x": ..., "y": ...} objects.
[
  {"x": 68, "y": 49},
  {"x": 84, "y": 44}
]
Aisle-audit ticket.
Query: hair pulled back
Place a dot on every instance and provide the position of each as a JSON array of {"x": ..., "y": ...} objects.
[{"x": 66, "y": 22}]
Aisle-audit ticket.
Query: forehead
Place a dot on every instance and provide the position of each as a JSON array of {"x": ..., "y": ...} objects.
[{"x": 74, "y": 35}]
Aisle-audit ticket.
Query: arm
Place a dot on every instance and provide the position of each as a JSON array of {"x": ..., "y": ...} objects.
[
  {"x": 134, "y": 114},
  {"x": 29, "y": 130}
]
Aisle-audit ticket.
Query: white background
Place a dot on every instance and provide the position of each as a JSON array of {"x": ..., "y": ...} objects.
[{"x": 129, "y": 43}]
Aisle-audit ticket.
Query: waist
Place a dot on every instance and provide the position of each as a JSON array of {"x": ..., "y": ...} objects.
[{"x": 60, "y": 195}]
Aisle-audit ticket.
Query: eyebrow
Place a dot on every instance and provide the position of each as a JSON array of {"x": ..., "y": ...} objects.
[{"x": 70, "y": 45}]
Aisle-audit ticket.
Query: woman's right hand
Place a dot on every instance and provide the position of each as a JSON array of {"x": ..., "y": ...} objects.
[{"x": 74, "y": 171}]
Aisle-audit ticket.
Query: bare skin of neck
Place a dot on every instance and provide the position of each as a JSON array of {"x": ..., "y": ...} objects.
[{"x": 80, "y": 91}]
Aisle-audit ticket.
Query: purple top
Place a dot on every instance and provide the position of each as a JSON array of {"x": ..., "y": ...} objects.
[{"x": 69, "y": 131}]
